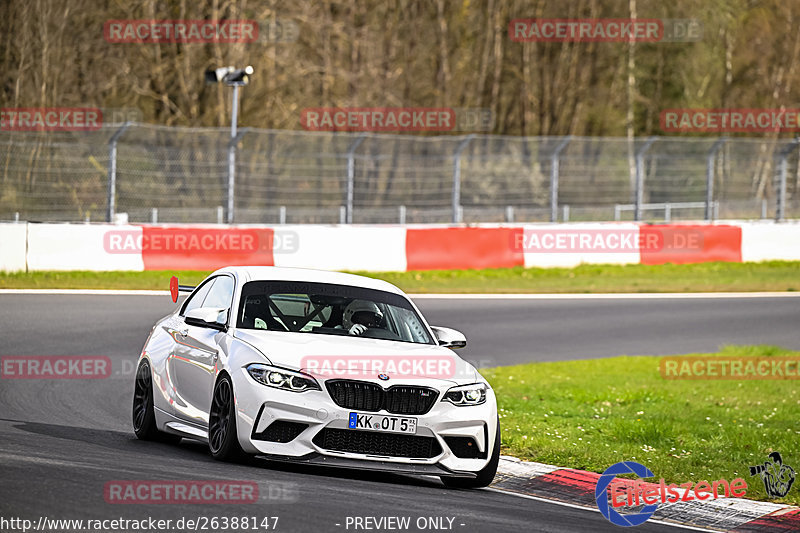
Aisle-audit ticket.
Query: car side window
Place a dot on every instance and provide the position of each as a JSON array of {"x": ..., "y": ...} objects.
[
  {"x": 221, "y": 293},
  {"x": 196, "y": 299}
]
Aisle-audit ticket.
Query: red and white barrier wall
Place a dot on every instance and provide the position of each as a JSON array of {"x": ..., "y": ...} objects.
[
  {"x": 31, "y": 246},
  {"x": 13, "y": 247}
]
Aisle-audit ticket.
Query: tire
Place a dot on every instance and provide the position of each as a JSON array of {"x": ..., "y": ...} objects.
[
  {"x": 223, "y": 439},
  {"x": 485, "y": 475},
  {"x": 143, "y": 415}
]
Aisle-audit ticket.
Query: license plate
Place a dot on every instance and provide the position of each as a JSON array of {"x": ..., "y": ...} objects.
[{"x": 389, "y": 424}]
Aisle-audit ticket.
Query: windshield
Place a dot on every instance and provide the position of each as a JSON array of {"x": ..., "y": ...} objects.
[{"x": 328, "y": 309}]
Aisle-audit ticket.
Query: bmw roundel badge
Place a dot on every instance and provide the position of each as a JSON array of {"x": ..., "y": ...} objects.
[{"x": 384, "y": 377}]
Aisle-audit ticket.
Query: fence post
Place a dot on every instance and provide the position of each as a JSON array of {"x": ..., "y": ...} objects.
[
  {"x": 232, "y": 153},
  {"x": 456, "y": 203},
  {"x": 712, "y": 155},
  {"x": 112, "y": 172},
  {"x": 232, "y": 146},
  {"x": 154, "y": 215},
  {"x": 402, "y": 214},
  {"x": 351, "y": 176},
  {"x": 282, "y": 214},
  {"x": 637, "y": 212},
  {"x": 509, "y": 213},
  {"x": 554, "y": 174},
  {"x": 780, "y": 212}
]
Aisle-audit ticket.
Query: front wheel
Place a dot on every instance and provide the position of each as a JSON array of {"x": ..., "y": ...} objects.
[
  {"x": 223, "y": 441},
  {"x": 486, "y": 474},
  {"x": 144, "y": 416}
]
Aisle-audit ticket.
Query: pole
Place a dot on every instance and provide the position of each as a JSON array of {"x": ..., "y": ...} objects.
[
  {"x": 112, "y": 172},
  {"x": 456, "y": 201},
  {"x": 232, "y": 153},
  {"x": 780, "y": 212},
  {"x": 554, "y": 171},
  {"x": 637, "y": 212},
  {"x": 712, "y": 155},
  {"x": 351, "y": 177}
]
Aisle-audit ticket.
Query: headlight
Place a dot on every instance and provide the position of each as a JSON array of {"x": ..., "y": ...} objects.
[
  {"x": 474, "y": 394},
  {"x": 281, "y": 378}
]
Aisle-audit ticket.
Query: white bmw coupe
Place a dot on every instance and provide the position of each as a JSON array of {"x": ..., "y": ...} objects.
[{"x": 316, "y": 367}]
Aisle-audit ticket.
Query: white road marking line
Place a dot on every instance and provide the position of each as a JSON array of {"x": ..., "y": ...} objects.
[
  {"x": 609, "y": 296},
  {"x": 98, "y": 292},
  {"x": 466, "y": 296}
]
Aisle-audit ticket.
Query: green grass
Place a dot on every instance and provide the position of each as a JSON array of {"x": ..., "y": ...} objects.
[
  {"x": 704, "y": 277},
  {"x": 591, "y": 414},
  {"x": 157, "y": 280}
]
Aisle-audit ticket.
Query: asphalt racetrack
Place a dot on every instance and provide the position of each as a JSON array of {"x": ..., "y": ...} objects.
[{"x": 63, "y": 440}]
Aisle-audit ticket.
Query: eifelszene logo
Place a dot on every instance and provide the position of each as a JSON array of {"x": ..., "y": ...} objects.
[
  {"x": 601, "y": 494},
  {"x": 627, "y": 493}
]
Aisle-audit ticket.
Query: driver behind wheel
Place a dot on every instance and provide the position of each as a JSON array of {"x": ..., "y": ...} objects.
[{"x": 361, "y": 315}]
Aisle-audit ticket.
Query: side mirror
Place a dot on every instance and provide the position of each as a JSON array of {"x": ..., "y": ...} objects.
[
  {"x": 207, "y": 317},
  {"x": 449, "y": 338}
]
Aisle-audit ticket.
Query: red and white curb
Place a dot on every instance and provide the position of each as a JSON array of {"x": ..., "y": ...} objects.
[{"x": 576, "y": 488}]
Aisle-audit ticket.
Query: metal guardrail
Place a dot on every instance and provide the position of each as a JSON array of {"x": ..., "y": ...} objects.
[
  {"x": 173, "y": 174},
  {"x": 667, "y": 208}
]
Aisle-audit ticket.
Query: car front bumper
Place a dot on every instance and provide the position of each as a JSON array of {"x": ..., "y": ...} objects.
[{"x": 258, "y": 406}]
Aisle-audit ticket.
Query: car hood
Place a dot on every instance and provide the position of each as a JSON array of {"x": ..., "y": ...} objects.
[{"x": 345, "y": 357}]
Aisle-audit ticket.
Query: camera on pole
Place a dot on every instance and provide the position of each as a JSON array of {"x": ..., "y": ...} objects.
[
  {"x": 229, "y": 75},
  {"x": 232, "y": 77}
]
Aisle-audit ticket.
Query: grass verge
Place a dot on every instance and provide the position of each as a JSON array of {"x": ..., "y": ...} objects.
[
  {"x": 591, "y": 414},
  {"x": 704, "y": 277}
]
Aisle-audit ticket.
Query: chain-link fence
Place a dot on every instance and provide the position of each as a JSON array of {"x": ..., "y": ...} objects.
[{"x": 169, "y": 174}]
